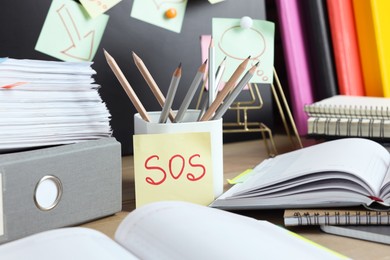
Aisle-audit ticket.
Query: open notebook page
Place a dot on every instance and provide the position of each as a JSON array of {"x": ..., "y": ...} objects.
[
  {"x": 361, "y": 157},
  {"x": 180, "y": 230},
  {"x": 66, "y": 243}
]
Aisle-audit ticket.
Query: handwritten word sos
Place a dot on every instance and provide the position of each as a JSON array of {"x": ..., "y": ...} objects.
[{"x": 153, "y": 163}]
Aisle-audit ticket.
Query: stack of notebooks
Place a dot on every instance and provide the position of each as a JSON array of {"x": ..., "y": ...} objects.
[
  {"x": 46, "y": 103},
  {"x": 343, "y": 182},
  {"x": 334, "y": 47},
  {"x": 335, "y": 216},
  {"x": 359, "y": 223},
  {"x": 349, "y": 116}
]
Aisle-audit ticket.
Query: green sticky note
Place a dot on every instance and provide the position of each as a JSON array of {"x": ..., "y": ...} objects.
[
  {"x": 153, "y": 12},
  {"x": 69, "y": 33},
  {"x": 236, "y": 44}
]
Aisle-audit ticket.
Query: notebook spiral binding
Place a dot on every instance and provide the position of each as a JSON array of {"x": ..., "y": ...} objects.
[
  {"x": 343, "y": 218},
  {"x": 348, "y": 111},
  {"x": 359, "y": 127},
  {"x": 350, "y": 116}
]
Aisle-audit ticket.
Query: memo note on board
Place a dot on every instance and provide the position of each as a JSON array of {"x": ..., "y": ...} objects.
[
  {"x": 69, "y": 34},
  {"x": 174, "y": 166},
  {"x": 237, "y": 43},
  {"x": 153, "y": 12},
  {"x": 97, "y": 7}
]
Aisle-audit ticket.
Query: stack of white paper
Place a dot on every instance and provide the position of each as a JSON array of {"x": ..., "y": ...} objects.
[{"x": 49, "y": 103}]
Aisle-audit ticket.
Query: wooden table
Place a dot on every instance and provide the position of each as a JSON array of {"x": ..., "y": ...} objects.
[{"x": 237, "y": 158}]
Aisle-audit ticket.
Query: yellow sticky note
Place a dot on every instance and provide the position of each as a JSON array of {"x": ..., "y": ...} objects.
[
  {"x": 173, "y": 167},
  {"x": 240, "y": 178},
  {"x": 97, "y": 7}
]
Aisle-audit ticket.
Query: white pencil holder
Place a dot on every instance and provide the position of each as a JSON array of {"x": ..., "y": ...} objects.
[{"x": 190, "y": 125}]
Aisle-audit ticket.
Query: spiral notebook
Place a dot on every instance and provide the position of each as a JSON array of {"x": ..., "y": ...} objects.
[
  {"x": 353, "y": 116},
  {"x": 335, "y": 216},
  {"x": 379, "y": 234}
]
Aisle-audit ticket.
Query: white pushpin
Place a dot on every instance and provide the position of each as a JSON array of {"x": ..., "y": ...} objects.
[{"x": 246, "y": 22}]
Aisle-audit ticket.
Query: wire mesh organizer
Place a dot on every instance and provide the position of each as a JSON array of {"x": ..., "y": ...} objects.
[{"x": 255, "y": 102}]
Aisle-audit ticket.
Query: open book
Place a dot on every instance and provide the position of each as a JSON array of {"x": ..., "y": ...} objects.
[
  {"x": 171, "y": 230},
  {"x": 343, "y": 172}
]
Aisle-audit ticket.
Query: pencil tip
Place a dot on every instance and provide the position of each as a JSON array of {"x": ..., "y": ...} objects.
[
  {"x": 177, "y": 71},
  {"x": 257, "y": 64},
  {"x": 205, "y": 61},
  {"x": 224, "y": 58},
  {"x": 106, "y": 54},
  {"x": 249, "y": 57}
]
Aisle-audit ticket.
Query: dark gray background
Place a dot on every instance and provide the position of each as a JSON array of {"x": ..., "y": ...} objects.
[{"x": 161, "y": 50}]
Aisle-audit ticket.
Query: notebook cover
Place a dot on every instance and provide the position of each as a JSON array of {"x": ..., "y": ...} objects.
[
  {"x": 373, "y": 30},
  {"x": 296, "y": 61},
  {"x": 319, "y": 47},
  {"x": 345, "y": 47},
  {"x": 91, "y": 176},
  {"x": 380, "y": 234}
]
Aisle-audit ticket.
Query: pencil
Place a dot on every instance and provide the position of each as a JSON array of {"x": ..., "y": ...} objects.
[
  {"x": 211, "y": 72},
  {"x": 218, "y": 76},
  {"x": 191, "y": 92},
  {"x": 203, "y": 105},
  {"x": 219, "y": 73},
  {"x": 234, "y": 93},
  {"x": 126, "y": 86},
  {"x": 151, "y": 82},
  {"x": 171, "y": 94},
  {"x": 225, "y": 91}
]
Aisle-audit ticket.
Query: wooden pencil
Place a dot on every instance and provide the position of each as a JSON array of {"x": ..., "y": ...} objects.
[
  {"x": 171, "y": 94},
  {"x": 211, "y": 72},
  {"x": 151, "y": 83},
  {"x": 126, "y": 86},
  {"x": 191, "y": 92},
  {"x": 218, "y": 76},
  {"x": 225, "y": 91},
  {"x": 235, "y": 92}
]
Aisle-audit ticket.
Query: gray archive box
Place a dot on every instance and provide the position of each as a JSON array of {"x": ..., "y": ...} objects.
[{"x": 59, "y": 186}]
